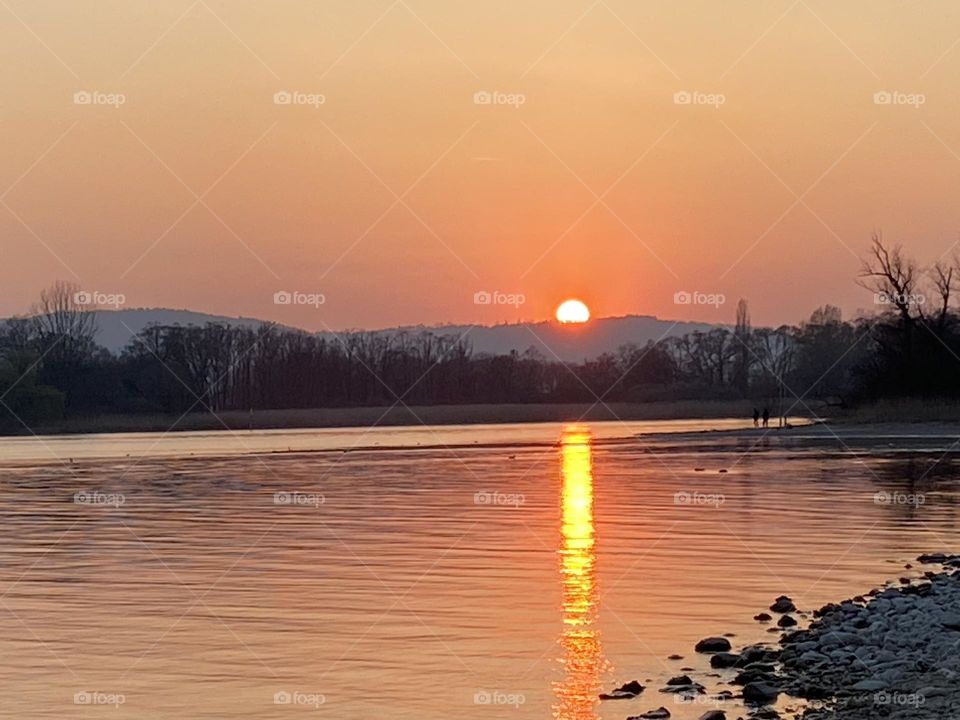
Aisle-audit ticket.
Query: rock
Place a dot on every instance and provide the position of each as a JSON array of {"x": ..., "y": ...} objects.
[
  {"x": 723, "y": 660},
  {"x": 624, "y": 692},
  {"x": 783, "y": 604},
  {"x": 869, "y": 685},
  {"x": 786, "y": 621},
  {"x": 714, "y": 715},
  {"x": 712, "y": 645},
  {"x": 658, "y": 714},
  {"x": 683, "y": 685},
  {"x": 760, "y": 693},
  {"x": 950, "y": 622},
  {"x": 757, "y": 653},
  {"x": 763, "y": 617},
  {"x": 675, "y": 657},
  {"x": 753, "y": 675}
]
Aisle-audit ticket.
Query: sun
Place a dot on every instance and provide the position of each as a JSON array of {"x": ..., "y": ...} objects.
[{"x": 573, "y": 311}]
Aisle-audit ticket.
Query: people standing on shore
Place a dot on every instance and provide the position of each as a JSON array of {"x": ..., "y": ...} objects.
[
  {"x": 756, "y": 418},
  {"x": 766, "y": 417}
]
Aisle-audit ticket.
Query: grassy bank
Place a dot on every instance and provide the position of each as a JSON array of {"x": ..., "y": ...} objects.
[{"x": 383, "y": 416}]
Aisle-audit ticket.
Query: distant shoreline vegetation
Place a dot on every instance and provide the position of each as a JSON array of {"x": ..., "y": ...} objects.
[{"x": 52, "y": 373}]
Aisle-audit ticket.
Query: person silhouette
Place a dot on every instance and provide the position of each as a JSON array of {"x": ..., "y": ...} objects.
[
  {"x": 756, "y": 418},
  {"x": 766, "y": 417}
]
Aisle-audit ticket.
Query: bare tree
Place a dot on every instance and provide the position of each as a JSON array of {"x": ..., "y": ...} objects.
[
  {"x": 65, "y": 328},
  {"x": 942, "y": 277},
  {"x": 893, "y": 278}
]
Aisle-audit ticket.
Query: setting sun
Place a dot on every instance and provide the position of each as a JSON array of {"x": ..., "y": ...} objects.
[{"x": 573, "y": 311}]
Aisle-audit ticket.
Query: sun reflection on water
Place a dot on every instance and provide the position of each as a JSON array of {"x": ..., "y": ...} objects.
[{"x": 582, "y": 653}]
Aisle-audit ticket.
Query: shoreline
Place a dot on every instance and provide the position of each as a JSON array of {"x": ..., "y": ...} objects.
[
  {"x": 397, "y": 416},
  {"x": 889, "y": 653},
  {"x": 893, "y": 419}
]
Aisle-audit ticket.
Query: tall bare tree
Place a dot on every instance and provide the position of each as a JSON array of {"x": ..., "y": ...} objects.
[{"x": 65, "y": 328}]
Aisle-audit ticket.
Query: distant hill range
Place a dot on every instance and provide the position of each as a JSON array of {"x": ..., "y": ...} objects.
[{"x": 571, "y": 343}]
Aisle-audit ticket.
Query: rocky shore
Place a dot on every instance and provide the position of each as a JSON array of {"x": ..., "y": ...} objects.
[{"x": 892, "y": 653}]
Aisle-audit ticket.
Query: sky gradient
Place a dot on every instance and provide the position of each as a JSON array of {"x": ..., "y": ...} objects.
[{"x": 399, "y": 197}]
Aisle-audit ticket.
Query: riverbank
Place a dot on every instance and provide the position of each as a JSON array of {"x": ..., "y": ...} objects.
[
  {"x": 394, "y": 416},
  {"x": 890, "y": 653},
  {"x": 869, "y": 425}
]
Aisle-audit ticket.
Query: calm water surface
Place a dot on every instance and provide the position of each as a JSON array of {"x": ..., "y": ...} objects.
[{"x": 515, "y": 579}]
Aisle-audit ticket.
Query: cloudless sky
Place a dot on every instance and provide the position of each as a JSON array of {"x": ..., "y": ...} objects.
[{"x": 399, "y": 197}]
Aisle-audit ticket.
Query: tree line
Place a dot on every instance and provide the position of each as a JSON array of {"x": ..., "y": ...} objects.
[{"x": 51, "y": 366}]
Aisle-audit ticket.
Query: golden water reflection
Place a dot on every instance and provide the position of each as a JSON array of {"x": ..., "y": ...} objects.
[{"x": 580, "y": 639}]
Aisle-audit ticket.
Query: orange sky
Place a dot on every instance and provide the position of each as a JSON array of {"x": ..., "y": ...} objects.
[{"x": 399, "y": 197}]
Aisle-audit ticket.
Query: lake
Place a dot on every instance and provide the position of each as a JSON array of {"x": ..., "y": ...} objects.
[{"x": 427, "y": 573}]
